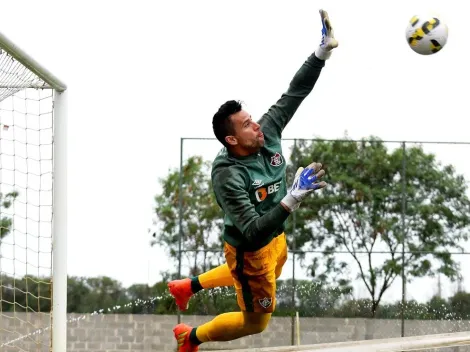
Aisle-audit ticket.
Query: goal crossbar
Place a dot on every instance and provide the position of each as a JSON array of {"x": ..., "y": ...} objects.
[{"x": 26, "y": 60}]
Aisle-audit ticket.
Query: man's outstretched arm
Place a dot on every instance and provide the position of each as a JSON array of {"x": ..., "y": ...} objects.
[{"x": 279, "y": 115}]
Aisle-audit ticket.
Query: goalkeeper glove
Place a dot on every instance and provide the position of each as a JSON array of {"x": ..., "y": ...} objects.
[
  {"x": 305, "y": 182},
  {"x": 328, "y": 41}
]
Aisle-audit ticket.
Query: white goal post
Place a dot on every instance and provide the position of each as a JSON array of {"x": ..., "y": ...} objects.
[{"x": 44, "y": 199}]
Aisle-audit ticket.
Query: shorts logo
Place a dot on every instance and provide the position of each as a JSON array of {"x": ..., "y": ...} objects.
[
  {"x": 276, "y": 159},
  {"x": 265, "y": 302}
]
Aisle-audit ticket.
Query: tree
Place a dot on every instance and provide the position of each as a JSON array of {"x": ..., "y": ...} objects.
[
  {"x": 439, "y": 308},
  {"x": 78, "y": 292},
  {"x": 312, "y": 298},
  {"x": 28, "y": 293},
  {"x": 104, "y": 294},
  {"x": 460, "y": 303},
  {"x": 202, "y": 217},
  {"x": 361, "y": 212},
  {"x": 5, "y": 221},
  {"x": 141, "y": 299}
]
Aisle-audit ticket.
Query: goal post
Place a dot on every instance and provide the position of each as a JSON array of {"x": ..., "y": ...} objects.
[
  {"x": 33, "y": 168},
  {"x": 59, "y": 227}
]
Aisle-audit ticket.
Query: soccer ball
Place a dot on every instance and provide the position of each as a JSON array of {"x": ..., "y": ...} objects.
[{"x": 427, "y": 34}]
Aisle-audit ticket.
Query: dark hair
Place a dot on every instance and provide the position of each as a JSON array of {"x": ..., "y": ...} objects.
[{"x": 221, "y": 122}]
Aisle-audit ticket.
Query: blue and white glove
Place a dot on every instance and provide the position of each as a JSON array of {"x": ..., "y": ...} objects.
[
  {"x": 305, "y": 182},
  {"x": 328, "y": 41}
]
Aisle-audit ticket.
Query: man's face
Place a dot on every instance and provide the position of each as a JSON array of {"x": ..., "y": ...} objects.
[{"x": 248, "y": 136}]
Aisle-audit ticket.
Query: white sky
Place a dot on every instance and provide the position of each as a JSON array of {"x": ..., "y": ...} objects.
[{"x": 143, "y": 74}]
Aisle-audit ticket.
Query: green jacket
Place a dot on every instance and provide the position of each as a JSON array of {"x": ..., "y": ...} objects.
[{"x": 249, "y": 189}]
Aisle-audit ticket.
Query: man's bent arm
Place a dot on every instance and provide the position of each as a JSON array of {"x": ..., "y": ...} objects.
[{"x": 234, "y": 199}]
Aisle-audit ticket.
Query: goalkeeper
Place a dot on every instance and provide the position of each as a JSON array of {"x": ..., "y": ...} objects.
[{"x": 249, "y": 182}]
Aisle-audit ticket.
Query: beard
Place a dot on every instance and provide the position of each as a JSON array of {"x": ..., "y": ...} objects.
[{"x": 254, "y": 145}]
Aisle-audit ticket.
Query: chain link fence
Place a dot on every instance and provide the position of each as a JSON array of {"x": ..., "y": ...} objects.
[{"x": 387, "y": 239}]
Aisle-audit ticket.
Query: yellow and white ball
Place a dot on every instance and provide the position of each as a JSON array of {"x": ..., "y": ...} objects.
[{"x": 426, "y": 35}]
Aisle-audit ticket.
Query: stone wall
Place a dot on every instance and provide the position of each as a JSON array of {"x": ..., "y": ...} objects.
[{"x": 123, "y": 332}]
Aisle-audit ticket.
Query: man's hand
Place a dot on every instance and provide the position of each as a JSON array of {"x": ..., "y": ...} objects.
[
  {"x": 305, "y": 182},
  {"x": 328, "y": 41}
]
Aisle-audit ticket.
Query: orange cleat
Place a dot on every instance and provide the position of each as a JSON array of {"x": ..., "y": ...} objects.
[
  {"x": 182, "y": 332},
  {"x": 181, "y": 291}
]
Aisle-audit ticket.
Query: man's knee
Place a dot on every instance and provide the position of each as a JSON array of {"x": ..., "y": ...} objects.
[
  {"x": 257, "y": 322},
  {"x": 260, "y": 327}
]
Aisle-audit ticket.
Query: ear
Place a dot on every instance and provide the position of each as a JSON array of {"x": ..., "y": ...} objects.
[{"x": 231, "y": 140}]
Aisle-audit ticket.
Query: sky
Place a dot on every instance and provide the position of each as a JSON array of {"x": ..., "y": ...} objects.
[{"x": 143, "y": 74}]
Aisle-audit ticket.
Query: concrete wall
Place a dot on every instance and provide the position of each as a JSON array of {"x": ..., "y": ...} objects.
[{"x": 115, "y": 333}]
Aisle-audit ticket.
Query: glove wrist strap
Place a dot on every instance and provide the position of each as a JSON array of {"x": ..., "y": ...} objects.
[
  {"x": 322, "y": 54},
  {"x": 290, "y": 202}
]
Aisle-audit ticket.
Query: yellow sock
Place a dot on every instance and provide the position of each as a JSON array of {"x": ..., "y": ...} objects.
[
  {"x": 231, "y": 326},
  {"x": 219, "y": 276}
]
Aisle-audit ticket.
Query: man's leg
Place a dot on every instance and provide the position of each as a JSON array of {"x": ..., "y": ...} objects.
[
  {"x": 232, "y": 326},
  {"x": 224, "y": 327},
  {"x": 217, "y": 277},
  {"x": 255, "y": 284},
  {"x": 182, "y": 290}
]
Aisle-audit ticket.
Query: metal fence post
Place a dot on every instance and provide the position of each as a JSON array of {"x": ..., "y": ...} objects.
[
  {"x": 180, "y": 215},
  {"x": 294, "y": 219},
  {"x": 403, "y": 231}
]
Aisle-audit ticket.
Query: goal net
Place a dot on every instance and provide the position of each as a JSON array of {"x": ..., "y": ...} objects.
[{"x": 32, "y": 205}]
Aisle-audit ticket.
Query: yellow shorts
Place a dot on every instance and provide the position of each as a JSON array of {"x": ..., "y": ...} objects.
[{"x": 255, "y": 274}]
